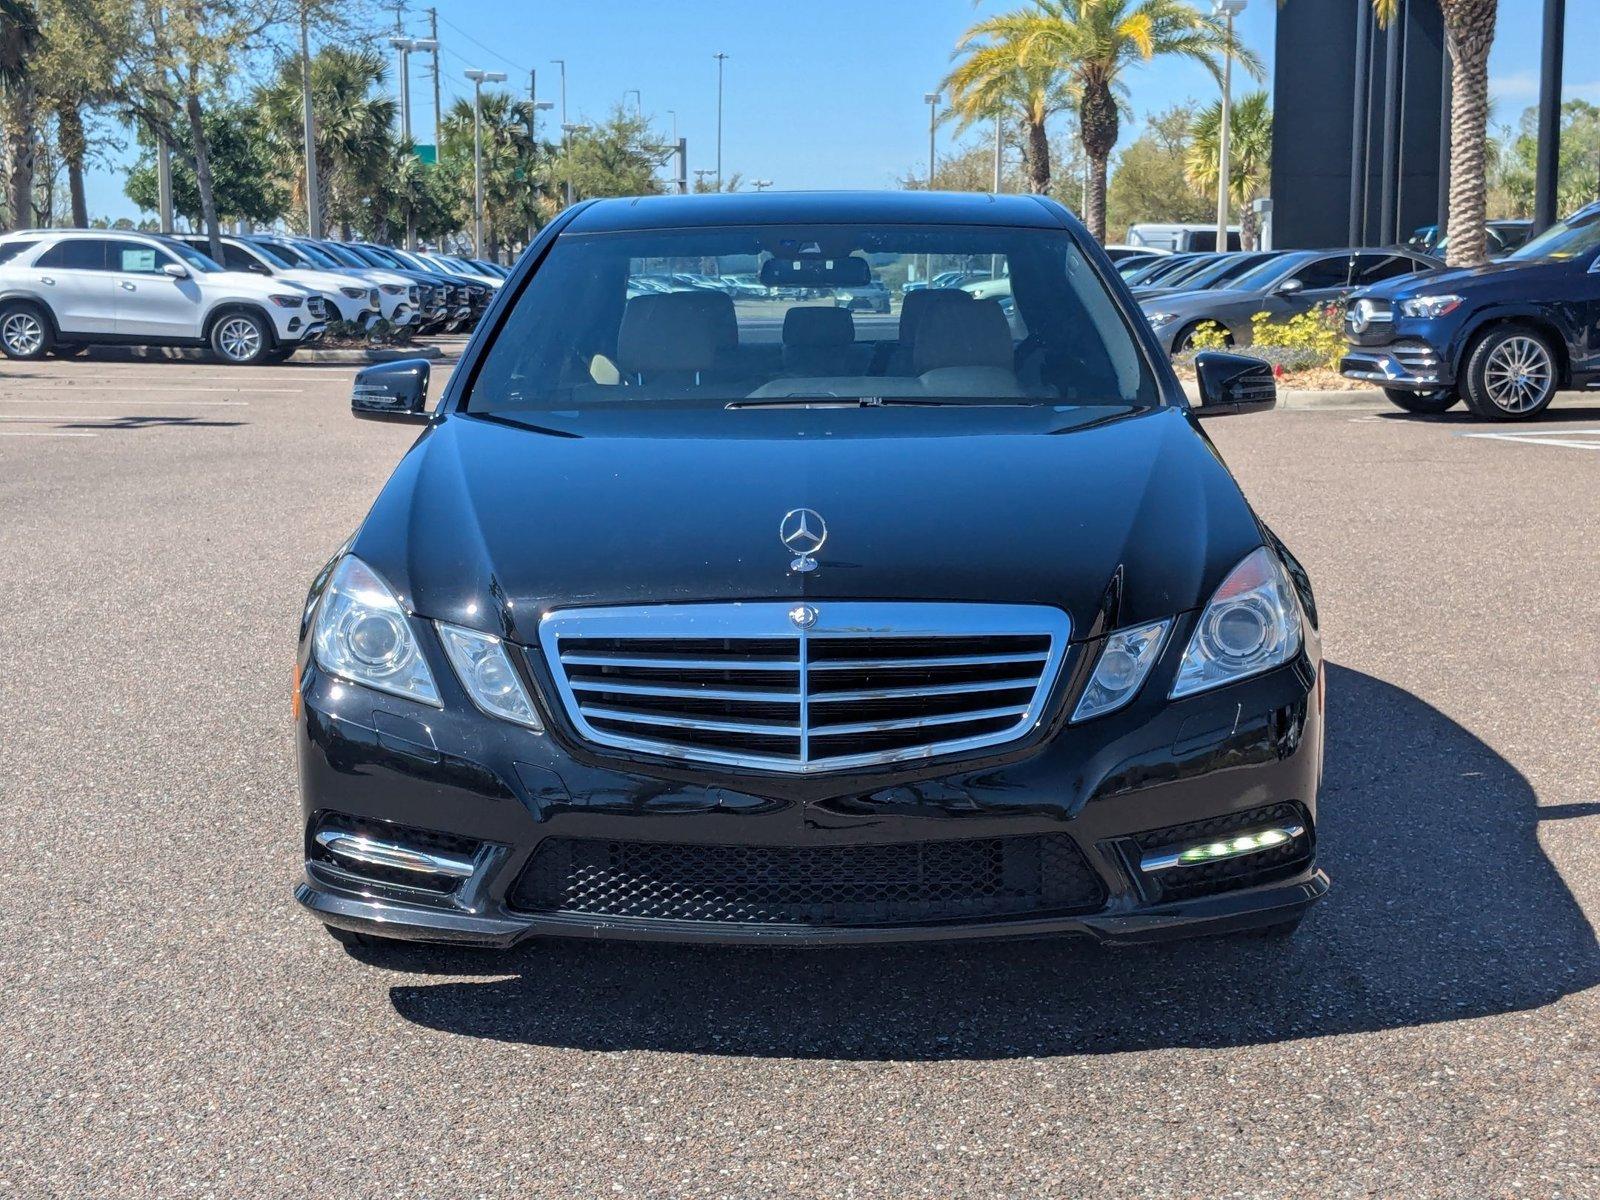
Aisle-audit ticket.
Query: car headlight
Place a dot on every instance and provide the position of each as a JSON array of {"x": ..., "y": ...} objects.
[
  {"x": 486, "y": 673},
  {"x": 363, "y": 634},
  {"x": 1252, "y": 624},
  {"x": 355, "y": 293},
  {"x": 1125, "y": 660},
  {"x": 1430, "y": 306},
  {"x": 392, "y": 289},
  {"x": 283, "y": 301},
  {"x": 1159, "y": 319}
]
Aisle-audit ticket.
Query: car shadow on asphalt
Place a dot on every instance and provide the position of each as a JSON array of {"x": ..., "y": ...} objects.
[
  {"x": 1443, "y": 908},
  {"x": 1462, "y": 416}
]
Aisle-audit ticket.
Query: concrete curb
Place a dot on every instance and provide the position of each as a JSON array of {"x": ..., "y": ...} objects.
[{"x": 351, "y": 357}]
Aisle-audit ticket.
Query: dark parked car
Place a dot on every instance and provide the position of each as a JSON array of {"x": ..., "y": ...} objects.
[
  {"x": 871, "y": 296},
  {"x": 1285, "y": 286},
  {"x": 679, "y": 622},
  {"x": 1504, "y": 337},
  {"x": 1208, "y": 271},
  {"x": 1503, "y": 237}
]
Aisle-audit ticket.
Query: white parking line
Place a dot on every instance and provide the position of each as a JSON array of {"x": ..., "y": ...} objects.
[
  {"x": 1574, "y": 439},
  {"x": 114, "y": 400}
]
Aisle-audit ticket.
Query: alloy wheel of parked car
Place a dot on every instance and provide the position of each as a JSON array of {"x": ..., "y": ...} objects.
[
  {"x": 1511, "y": 375},
  {"x": 240, "y": 338},
  {"x": 23, "y": 332},
  {"x": 1437, "y": 401}
]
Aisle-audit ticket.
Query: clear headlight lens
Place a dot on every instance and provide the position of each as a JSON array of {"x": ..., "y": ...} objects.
[
  {"x": 355, "y": 293},
  {"x": 1125, "y": 660},
  {"x": 1430, "y": 306},
  {"x": 1159, "y": 319},
  {"x": 286, "y": 301},
  {"x": 363, "y": 635},
  {"x": 486, "y": 672},
  {"x": 1252, "y": 624}
]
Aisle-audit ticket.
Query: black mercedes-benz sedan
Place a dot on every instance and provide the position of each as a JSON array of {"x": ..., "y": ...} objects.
[{"x": 759, "y": 620}]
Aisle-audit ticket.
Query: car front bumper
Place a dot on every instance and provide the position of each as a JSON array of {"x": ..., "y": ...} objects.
[
  {"x": 493, "y": 794},
  {"x": 1411, "y": 365}
]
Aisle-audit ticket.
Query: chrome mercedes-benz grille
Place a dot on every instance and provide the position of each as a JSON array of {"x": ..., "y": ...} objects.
[{"x": 805, "y": 686}]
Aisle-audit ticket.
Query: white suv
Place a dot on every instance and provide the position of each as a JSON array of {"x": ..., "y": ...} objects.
[
  {"x": 64, "y": 289},
  {"x": 352, "y": 300}
]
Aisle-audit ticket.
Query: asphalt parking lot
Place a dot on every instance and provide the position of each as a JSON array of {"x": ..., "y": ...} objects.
[{"x": 174, "y": 1026}]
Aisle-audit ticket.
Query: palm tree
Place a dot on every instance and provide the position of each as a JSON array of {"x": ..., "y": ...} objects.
[
  {"x": 1249, "y": 155},
  {"x": 1000, "y": 74},
  {"x": 1469, "y": 33},
  {"x": 511, "y": 164},
  {"x": 354, "y": 118},
  {"x": 1095, "y": 41},
  {"x": 20, "y": 43}
]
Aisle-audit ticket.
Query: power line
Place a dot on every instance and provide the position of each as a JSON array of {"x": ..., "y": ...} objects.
[{"x": 489, "y": 50}]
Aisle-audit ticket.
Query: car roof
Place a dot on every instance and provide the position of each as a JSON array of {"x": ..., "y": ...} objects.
[{"x": 817, "y": 208}]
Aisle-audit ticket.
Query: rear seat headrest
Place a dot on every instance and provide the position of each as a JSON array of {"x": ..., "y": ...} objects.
[
  {"x": 818, "y": 327},
  {"x": 975, "y": 334},
  {"x": 675, "y": 331}
]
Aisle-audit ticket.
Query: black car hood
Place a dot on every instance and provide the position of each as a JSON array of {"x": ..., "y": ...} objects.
[
  {"x": 1530, "y": 272},
  {"x": 1116, "y": 515}
]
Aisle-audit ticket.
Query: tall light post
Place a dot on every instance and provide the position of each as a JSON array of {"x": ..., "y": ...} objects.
[
  {"x": 406, "y": 46},
  {"x": 999, "y": 136},
  {"x": 721, "y": 58},
  {"x": 673, "y": 113},
  {"x": 479, "y": 78},
  {"x": 1228, "y": 10},
  {"x": 567, "y": 130},
  {"x": 313, "y": 196},
  {"x": 562, "y": 63},
  {"x": 700, "y": 174},
  {"x": 535, "y": 107},
  {"x": 931, "y": 99},
  {"x": 638, "y": 101}
]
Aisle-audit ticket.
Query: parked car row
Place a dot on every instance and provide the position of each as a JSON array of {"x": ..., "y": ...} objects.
[{"x": 62, "y": 290}]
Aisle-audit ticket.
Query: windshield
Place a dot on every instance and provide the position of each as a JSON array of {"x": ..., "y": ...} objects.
[
  {"x": 1576, "y": 236},
  {"x": 647, "y": 318},
  {"x": 270, "y": 254},
  {"x": 1268, "y": 272},
  {"x": 344, "y": 255},
  {"x": 193, "y": 257}
]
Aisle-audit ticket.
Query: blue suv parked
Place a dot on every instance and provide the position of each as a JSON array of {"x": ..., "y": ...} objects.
[{"x": 1504, "y": 337}]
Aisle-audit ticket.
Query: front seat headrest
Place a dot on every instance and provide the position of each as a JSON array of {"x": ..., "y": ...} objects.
[
  {"x": 675, "y": 331},
  {"x": 818, "y": 327},
  {"x": 917, "y": 304},
  {"x": 975, "y": 334}
]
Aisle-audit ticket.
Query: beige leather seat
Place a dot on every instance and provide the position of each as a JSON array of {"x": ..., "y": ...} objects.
[
  {"x": 819, "y": 341},
  {"x": 675, "y": 337},
  {"x": 966, "y": 350}
]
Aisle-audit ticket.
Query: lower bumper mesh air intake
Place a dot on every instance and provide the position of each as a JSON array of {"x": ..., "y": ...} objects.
[{"x": 827, "y": 886}]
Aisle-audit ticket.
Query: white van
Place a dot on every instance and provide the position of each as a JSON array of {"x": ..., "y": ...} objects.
[{"x": 1181, "y": 239}]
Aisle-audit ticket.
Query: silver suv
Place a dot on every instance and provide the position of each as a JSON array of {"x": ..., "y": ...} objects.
[{"x": 64, "y": 289}]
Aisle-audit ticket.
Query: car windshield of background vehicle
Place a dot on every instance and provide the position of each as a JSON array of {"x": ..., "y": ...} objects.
[
  {"x": 797, "y": 314},
  {"x": 193, "y": 257},
  {"x": 271, "y": 255},
  {"x": 1266, "y": 274},
  {"x": 1572, "y": 238}
]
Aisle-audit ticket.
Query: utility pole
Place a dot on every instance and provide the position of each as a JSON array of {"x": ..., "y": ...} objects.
[
  {"x": 433, "y": 36},
  {"x": 479, "y": 78},
  {"x": 1547, "y": 152},
  {"x": 313, "y": 191},
  {"x": 1228, "y": 9},
  {"x": 721, "y": 58},
  {"x": 566, "y": 166},
  {"x": 683, "y": 166},
  {"x": 931, "y": 99}
]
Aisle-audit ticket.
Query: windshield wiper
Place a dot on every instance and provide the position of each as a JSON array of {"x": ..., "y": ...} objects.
[{"x": 831, "y": 400}]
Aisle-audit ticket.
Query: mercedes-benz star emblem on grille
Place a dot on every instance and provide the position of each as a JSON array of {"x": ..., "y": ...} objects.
[
  {"x": 1360, "y": 315},
  {"x": 803, "y": 616},
  {"x": 803, "y": 530}
]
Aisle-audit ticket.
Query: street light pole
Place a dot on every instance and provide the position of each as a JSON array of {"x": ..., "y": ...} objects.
[
  {"x": 479, "y": 78},
  {"x": 638, "y": 101},
  {"x": 313, "y": 198},
  {"x": 999, "y": 133},
  {"x": 1227, "y": 9},
  {"x": 721, "y": 58},
  {"x": 562, "y": 63},
  {"x": 931, "y": 99},
  {"x": 406, "y": 46}
]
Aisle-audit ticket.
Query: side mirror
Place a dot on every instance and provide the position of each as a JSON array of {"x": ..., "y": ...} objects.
[
  {"x": 1289, "y": 287},
  {"x": 176, "y": 270},
  {"x": 1232, "y": 384},
  {"x": 392, "y": 391}
]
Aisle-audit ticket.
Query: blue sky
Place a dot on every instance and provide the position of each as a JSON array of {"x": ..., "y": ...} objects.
[{"x": 822, "y": 93}]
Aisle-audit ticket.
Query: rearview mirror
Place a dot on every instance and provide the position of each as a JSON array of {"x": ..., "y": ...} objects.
[
  {"x": 1231, "y": 384},
  {"x": 176, "y": 270},
  {"x": 844, "y": 271},
  {"x": 392, "y": 391}
]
